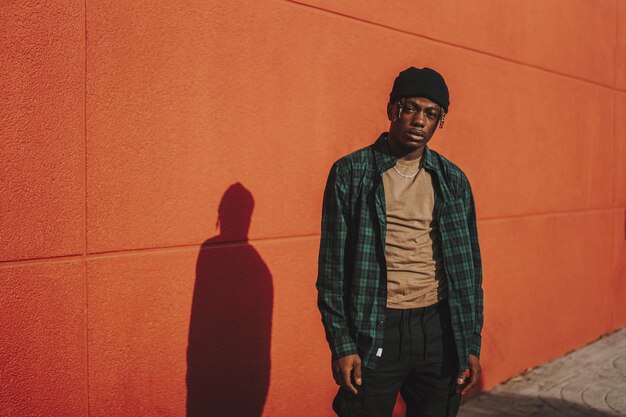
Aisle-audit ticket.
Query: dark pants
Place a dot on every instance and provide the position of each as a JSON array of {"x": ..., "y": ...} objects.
[{"x": 418, "y": 360}]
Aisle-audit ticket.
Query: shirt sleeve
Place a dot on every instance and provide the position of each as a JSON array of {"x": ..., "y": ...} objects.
[
  {"x": 332, "y": 284},
  {"x": 475, "y": 342}
]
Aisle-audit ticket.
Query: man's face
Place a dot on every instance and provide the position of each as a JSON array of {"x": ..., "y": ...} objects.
[{"x": 416, "y": 124}]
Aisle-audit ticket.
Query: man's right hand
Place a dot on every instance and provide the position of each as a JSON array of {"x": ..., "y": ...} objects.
[{"x": 346, "y": 371}]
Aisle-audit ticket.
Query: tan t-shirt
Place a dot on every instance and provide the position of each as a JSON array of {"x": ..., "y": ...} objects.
[{"x": 415, "y": 275}]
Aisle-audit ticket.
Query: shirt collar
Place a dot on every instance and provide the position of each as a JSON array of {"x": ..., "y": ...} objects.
[{"x": 385, "y": 160}]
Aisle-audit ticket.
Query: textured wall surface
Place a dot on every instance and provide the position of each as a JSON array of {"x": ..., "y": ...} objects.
[{"x": 162, "y": 172}]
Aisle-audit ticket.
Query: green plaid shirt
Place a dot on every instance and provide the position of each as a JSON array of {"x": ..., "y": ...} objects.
[{"x": 352, "y": 276}]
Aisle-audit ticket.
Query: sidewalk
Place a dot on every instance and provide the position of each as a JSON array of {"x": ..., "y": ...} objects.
[{"x": 589, "y": 382}]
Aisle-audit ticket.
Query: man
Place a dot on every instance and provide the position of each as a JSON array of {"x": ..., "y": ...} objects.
[{"x": 400, "y": 277}]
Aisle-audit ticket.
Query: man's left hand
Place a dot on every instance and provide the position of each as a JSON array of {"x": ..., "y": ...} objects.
[{"x": 463, "y": 384}]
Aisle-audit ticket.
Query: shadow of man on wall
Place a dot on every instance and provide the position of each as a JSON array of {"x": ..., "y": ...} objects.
[{"x": 228, "y": 356}]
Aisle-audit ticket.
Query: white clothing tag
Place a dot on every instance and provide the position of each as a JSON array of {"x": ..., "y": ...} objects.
[{"x": 379, "y": 352}]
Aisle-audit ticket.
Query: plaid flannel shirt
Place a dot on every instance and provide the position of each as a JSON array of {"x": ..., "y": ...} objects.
[{"x": 352, "y": 275}]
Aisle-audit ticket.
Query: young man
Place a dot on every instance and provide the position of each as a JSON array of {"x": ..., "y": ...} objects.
[{"x": 400, "y": 277}]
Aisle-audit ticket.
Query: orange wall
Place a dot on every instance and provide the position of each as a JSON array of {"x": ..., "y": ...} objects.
[{"x": 124, "y": 124}]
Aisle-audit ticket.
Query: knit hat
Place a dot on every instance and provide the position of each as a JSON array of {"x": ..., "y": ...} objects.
[{"x": 424, "y": 82}]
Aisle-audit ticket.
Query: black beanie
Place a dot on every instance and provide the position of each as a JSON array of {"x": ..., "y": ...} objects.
[{"x": 425, "y": 82}]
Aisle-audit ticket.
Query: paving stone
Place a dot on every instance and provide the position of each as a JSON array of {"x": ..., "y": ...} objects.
[{"x": 589, "y": 382}]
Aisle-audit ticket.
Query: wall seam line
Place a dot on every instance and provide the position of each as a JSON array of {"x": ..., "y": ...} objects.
[
  {"x": 478, "y": 51},
  {"x": 124, "y": 252},
  {"x": 552, "y": 213},
  {"x": 85, "y": 242},
  {"x": 614, "y": 160},
  {"x": 615, "y": 44},
  {"x": 614, "y": 142},
  {"x": 614, "y": 164}
]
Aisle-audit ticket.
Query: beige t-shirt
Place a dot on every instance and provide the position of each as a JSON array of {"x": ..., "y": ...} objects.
[{"x": 415, "y": 275}]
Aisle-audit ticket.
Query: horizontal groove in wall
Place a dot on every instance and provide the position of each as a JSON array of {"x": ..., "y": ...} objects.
[
  {"x": 174, "y": 248},
  {"x": 98, "y": 255},
  {"x": 454, "y": 45},
  {"x": 47, "y": 260},
  {"x": 553, "y": 214}
]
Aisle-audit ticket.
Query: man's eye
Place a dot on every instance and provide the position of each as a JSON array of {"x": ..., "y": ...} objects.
[{"x": 409, "y": 110}]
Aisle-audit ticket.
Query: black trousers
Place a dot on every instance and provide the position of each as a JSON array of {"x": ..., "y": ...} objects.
[{"x": 418, "y": 360}]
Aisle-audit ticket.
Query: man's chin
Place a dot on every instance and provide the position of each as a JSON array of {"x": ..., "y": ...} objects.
[
  {"x": 409, "y": 143},
  {"x": 414, "y": 143}
]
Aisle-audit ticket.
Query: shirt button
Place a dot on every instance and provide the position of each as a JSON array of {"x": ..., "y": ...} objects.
[{"x": 380, "y": 322}]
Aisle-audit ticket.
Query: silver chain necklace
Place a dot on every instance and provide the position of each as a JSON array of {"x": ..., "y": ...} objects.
[{"x": 408, "y": 176}]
